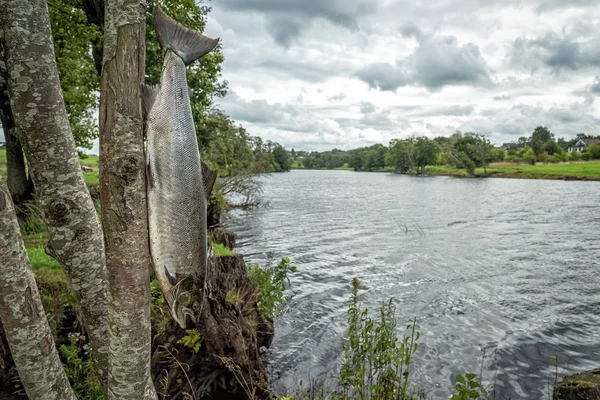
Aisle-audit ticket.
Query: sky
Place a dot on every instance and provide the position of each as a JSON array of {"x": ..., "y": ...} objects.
[
  {"x": 323, "y": 74},
  {"x": 317, "y": 75}
]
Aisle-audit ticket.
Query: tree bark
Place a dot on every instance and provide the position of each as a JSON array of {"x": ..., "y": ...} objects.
[
  {"x": 74, "y": 233},
  {"x": 19, "y": 185},
  {"x": 123, "y": 197},
  {"x": 22, "y": 314}
]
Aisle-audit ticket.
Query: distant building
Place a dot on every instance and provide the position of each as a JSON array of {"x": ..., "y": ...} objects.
[
  {"x": 583, "y": 144},
  {"x": 508, "y": 146}
]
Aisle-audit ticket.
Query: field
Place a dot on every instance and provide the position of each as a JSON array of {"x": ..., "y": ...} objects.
[
  {"x": 91, "y": 162},
  {"x": 589, "y": 170}
]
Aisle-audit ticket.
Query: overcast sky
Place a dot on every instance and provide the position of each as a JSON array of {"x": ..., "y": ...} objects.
[{"x": 319, "y": 74}]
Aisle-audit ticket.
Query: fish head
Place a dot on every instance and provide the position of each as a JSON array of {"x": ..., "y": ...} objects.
[{"x": 184, "y": 301}]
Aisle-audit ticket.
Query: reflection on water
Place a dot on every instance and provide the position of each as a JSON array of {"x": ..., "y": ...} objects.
[{"x": 506, "y": 265}]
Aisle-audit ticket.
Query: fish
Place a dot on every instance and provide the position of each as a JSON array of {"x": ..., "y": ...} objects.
[{"x": 178, "y": 182}]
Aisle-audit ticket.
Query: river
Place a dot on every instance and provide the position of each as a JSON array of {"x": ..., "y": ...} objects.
[{"x": 505, "y": 265}]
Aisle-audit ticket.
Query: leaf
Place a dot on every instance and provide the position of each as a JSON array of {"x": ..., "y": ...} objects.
[
  {"x": 471, "y": 376},
  {"x": 459, "y": 378}
]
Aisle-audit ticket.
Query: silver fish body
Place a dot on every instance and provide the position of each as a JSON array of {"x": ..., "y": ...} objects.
[{"x": 176, "y": 193}]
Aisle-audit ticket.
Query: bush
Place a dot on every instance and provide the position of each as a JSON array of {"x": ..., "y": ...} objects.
[
  {"x": 542, "y": 157},
  {"x": 528, "y": 156},
  {"x": 594, "y": 150},
  {"x": 272, "y": 280},
  {"x": 376, "y": 365},
  {"x": 574, "y": 156},
  {"x": 586, "y": 156}
]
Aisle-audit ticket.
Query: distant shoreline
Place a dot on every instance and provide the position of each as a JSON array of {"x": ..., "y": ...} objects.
[{"x": 570, "y": 171}]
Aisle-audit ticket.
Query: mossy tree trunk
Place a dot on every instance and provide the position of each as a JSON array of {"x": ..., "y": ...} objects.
[
  {"x": 19, "y": 185},
  {"x": 22, "y": 314},
  {"x": 123, "y": 199},
  {"x": 74, "y": 233}
]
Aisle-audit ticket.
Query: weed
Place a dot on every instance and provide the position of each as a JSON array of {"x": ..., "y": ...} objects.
[
  {"x": 376, "y": 365},
  {"x": 468, "y": 387},
  {"x": 192, "y": 340},
  {"x": 272, "y": 281},
  {"x": 221, "y": 250},
  {"x": 80, "y": 369}
]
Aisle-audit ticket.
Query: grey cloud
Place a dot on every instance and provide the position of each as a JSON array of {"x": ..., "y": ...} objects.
[
  {"x": 410, "y": 29},
  {"x": 502, "y": 97},
  {"x": 337, "y": 97},
  {"x": 454, "y": 110},
  {"x": 556, "y": 52},
  {"x": 549, "y": 5},
  {"x": 340, "y": 12},
  {"x": 256, "y": 111},
  {"x": 438, "y": 61},
  {"x": 378, "y": 119},
  {"x": 595, "y": 86},
  {"x": 284, "y": 30},
  {"x": 367, "y": 107}
]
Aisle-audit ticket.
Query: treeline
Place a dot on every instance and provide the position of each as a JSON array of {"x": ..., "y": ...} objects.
[{"x": 467, "y": 151}]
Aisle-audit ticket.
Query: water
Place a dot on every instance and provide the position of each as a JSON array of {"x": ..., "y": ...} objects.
[{"x": 507, "y": 265}]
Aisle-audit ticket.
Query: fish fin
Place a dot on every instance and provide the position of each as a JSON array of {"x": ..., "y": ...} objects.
[
  {"x": 172, "y": 279},
  {"x": 149, "y": 177},
  {"x": 209, "y": 177},
  {"x": 148, "y": 93},
  {"x": 188, "y": 44}
]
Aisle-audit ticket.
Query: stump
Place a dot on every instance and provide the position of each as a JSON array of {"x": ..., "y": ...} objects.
[
  {"x": 222, "y": 236},
  {"x": 584, "y": 386},
  {"x": 228, "y": 364}
]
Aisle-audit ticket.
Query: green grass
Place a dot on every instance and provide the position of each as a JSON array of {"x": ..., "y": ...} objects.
[
  {"x": 221, "y": 250},
  {"x": 297, "y": 164},
  {"x": 589, "y": 170},
  {"x": 91, "y": 178},
  {"x": 40, "y": 259},
  {"x": 3, "y": 162}
]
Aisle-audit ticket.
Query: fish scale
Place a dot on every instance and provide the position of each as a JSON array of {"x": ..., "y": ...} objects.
[{"x": 177, "y": 196}]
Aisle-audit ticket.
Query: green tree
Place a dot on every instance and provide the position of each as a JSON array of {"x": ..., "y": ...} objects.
[
  {"x": 400, "y": 155},
  {"x": 282, "y": 158},
  {"x": 539, "y": 139},
  {"x": 594, "y": 151},
  {"x": 425, "y": 153}
]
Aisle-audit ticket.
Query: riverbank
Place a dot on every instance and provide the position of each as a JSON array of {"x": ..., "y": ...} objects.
[
  {"x": 578, "y": 170},
  {"x": 584, "y": 171}
]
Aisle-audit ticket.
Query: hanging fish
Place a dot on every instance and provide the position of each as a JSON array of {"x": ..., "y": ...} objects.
[{"x": 177, "y": 192}]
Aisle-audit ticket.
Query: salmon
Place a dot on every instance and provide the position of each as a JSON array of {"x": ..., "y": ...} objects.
[{"x": 176, "y": 190}]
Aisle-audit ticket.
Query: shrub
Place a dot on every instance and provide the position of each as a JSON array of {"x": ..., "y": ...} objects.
[
  {"x": 80, "y": 370},
  {"x": 542, "y": 157},
  {"x": 575, "y": 156},
  {"x": 376, "y": 365},
  {"x": 586, "y": 156},
  {"x": 272, "y": 281},
  {"x": 594, "y": 150}
]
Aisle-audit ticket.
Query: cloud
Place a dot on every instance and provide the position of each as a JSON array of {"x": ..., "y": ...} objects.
[
  {"x": 367, "y": 107},
  {"x": 337, "y": 97},
  {"x": 437, "y": 61},
  {"x": 256, "y": 111},
  {"x": 502, "y": 97},
  {"x": 594, "y": 88},
  {"x": 284, "y": 28},
  {"x": 557, "y": 52},
  {"x": 454, "y": 110}
]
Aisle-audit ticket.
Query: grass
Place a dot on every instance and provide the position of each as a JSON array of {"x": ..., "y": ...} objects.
[
  {"x": 222, "y": 250},
  {"x": 587, "y": 170},
  {"x": 91, "y": 178}
]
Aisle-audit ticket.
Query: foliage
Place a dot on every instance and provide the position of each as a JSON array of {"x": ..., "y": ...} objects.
[
  {"x": 272, "y": 280},
  {"x": 594, "y": 151},
  {"x": 221, "y": 250},
  {"x": 80, "y": 84},
  {"x": 468, "y": 387},
  {"x": 376, "y": 365},
  {"x": 540, "y": 139},
  {"x": 192, "y": 340},
  {"x": 77, "y": 361},
  {"x": 31, "y": 217}
]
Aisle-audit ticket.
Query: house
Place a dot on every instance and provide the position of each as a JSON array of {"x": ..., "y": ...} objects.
[
  {"x": 508, "y": 146},
  {"x": 583, "y": 144}
]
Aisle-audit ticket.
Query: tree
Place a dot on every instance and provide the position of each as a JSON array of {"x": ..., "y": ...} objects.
[
  {"x": 400, "y": 155},
  {"x": 282, "y": 158},
  {"x": 74, "y": 234},
  {"x": 539, "y": 137},
  {"x": 20, "y": 185},
  {"x": 482, "y": 150},
  {"x": 123, "y": 199},
  {"x": 425, "y": 153},
  {"x": 22, "y": 313},
  {"x": 594, "y": 150}
]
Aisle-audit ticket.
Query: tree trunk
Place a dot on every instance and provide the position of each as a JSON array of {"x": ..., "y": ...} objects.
[
  {"x": 22, "y": 314},
  {"x": 42, "y": 125},
  {"x": 19, "y": 185},
  {"x": 123, "y": 197}
]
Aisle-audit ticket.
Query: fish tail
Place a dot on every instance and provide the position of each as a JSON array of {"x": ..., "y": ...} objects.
[{"x": 188, "y": 44}]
